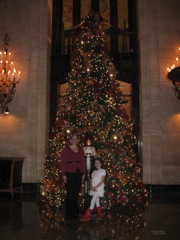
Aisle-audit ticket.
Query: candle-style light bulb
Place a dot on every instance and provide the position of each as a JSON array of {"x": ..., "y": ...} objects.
[
  {"x": 9, "y": 58},
  {"x": 177, "y": 62},
  {"x": 19, "y": 75}
]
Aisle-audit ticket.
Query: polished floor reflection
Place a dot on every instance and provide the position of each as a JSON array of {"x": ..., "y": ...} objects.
[{"x": 22, "y": 219}]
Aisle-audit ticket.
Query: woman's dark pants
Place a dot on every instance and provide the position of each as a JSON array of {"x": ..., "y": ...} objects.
[{"x": 73, "y": 188}]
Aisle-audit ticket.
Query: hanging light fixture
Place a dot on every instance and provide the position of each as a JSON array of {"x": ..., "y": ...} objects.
[
  {"x": 9, "y": 77},
  {"x": 174, "y": 76}
]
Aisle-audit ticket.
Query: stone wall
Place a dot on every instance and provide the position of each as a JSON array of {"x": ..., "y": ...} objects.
[
  {"x": 24, "y": 133},
  {"x": 159, "y": 35}
]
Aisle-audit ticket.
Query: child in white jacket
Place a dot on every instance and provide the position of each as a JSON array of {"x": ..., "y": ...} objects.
[{"x": 97, "y": 191}]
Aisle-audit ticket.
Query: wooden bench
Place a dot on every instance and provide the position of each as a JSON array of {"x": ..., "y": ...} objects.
[{"x": 11, "y": 174}]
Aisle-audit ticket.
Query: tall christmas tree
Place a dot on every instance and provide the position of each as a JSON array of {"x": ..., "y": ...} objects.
[{"x": 93, "y": 106}]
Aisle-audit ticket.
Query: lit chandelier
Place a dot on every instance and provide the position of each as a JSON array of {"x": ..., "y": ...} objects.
[{"x": 9, "y": 78}]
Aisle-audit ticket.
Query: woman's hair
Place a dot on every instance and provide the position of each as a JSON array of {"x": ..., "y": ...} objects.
[{"x": 72, "y": 135}]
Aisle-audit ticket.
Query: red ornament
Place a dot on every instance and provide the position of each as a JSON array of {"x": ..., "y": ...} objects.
[
  {"x": 109, "y": 193},
  {"x": 123, "y": 199},
  {"x": 116, "y": 174},
  {"x": 140, "y": 185},
  {"x": 139, "y": 199}
]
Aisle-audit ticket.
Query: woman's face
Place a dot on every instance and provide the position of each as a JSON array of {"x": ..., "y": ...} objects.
[
  {"x": 74, "y": 140},
  {"x": 97, "y": 164}
]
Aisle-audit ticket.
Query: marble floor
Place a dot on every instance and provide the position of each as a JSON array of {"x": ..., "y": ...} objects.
[{"x": 21, "y": 219}]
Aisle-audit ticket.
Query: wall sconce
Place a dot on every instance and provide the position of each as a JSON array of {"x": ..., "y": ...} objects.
[
  {"x": 8, "y": 77},
  {"x": 174, "y": 76}
]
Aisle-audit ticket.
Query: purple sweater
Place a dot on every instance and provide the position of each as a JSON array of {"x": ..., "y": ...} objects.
[{"x": 71, "y": 160}]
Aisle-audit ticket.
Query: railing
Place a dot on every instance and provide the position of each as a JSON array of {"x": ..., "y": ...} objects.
[
  {"x": 11, "y": 174},
  {"x": 119, "y": 40}
]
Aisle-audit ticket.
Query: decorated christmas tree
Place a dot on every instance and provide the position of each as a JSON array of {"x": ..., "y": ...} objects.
[{"x": 93, "y": 106}]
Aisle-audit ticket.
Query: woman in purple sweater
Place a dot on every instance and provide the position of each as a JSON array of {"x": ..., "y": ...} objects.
[{"x": 73, "y": 169}]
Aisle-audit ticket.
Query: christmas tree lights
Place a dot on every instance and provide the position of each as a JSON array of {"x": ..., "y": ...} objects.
[{"x": 93, "y": 104}]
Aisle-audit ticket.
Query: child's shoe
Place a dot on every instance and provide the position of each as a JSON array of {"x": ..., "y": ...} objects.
[
  {"x": 99, "y": 211},
  {"x": 87, "y": 215}
]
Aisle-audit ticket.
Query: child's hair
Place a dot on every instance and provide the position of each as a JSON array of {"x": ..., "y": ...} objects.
[{"x": 98, "y": 159}]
